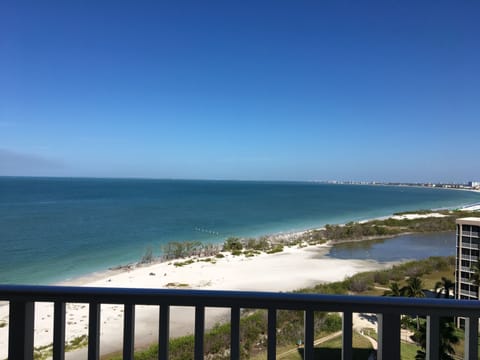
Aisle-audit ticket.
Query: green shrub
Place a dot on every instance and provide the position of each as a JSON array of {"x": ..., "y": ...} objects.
[
  {"x": 276, "y": 249},
  {"x": 332, "y": 323},
  {"x": 232, "y": 244},
  {"x": 183, "y": 263},
  {"x": 381, "y": 277}
]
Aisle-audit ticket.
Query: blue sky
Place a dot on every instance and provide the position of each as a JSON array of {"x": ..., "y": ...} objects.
[{"x": 285, "y": 90}]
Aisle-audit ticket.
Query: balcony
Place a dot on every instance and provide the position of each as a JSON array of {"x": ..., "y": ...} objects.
[
  {"x": 470, "y": 245},
  {"x": 388, "y": 309},
  {"x": 469, "y": 257},
  {"x": 473, "y": 294}
]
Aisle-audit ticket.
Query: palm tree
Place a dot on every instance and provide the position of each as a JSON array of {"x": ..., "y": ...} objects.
[
  {"x": 414, "y": 289},
  {"x": 394, "y": 290},
  {"x": 444, "y": 286},
  {"x": 447, "y": 340}
]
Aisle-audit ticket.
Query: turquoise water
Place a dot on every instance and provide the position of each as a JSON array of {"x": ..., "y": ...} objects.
[{"x": 53, "y": 229}]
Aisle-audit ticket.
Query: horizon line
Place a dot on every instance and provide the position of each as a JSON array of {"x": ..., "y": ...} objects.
[{"x": 331, "y": 181}]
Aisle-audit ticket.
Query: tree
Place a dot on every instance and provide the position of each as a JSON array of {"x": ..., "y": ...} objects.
[
  {"x": 394, "y": 290},
  {"x": 414, "y": 289},
  {"x": 232, "y": 243},
  {"x": 444, "y": 286},
  {"x": 448, "y": 338},
  {"x": 147, "y": 258}
]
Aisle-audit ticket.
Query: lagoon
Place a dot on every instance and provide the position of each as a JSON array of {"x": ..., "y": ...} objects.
[{"x": 400, "y": 248}]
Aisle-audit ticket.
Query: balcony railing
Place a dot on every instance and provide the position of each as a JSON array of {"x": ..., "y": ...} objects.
[
  {"x": 388, "y": 309},
  {"x": 469, "y": 293},
  {"x": 470, "y": 258},
  {"x": 470, "y": 245}
]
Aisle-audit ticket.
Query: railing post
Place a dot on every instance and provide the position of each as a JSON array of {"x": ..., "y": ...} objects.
[
  {"x": 347, "y": 335},
  {"x": 199, "y": 331},
  {"x": 94, "y": 331},
  {"x": 59, "y": 331},
  {"x": 235, "y": 333},
  {"x": 388, "y": 336},
  {"x": 433, "y": 332},
  {"x": 272, "y": 334},
  {"x": 20, "y": 333},
  {"x": 164, "y": 332},
  {"x": 128, "y": 331},
  {"x": 471, "y": 338},
  {"x": 309, "y": 335}
]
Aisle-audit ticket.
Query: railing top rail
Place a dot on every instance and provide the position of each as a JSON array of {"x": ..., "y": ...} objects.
[{"x": 243, "y": 299}]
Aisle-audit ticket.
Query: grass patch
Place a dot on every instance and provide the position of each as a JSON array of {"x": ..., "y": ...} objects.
[
  {"x": 328, "y": 350},
  {"x": 46, "y": 351},
  {"x": 275, "y": 249},
  {"x": 408, "y": 351},
  {"x": 183, "y": 263},
  {"x": 358, "y": 342},
  {"x": 177, "y": 285},
  {"x": 77, "y": 343},
  {"x": 251, "y": 253}
]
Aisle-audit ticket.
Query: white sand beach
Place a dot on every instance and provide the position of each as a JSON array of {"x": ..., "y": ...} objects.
[
  {"x": 417, "y": 216},
  {"x": 291, "y": 269}
]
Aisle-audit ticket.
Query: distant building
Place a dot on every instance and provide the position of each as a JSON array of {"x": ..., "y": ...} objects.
[
  {"x": 468, "y": 247},
  {"x": 474, "y": 184}
]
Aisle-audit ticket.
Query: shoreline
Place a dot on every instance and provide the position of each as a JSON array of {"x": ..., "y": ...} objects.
[
  {"x": 294, "y": 268},
  {"x": 283, "y": 236},
  {"x": 48, "y": 268}
]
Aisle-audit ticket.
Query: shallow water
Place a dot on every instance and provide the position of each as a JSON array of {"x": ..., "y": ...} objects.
[
  {"x": 53, "y": 229},
  {"x": 404, "y": 247}
]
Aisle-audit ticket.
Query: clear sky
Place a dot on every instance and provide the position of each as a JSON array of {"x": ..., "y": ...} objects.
[{"x": 288, "y": 90}]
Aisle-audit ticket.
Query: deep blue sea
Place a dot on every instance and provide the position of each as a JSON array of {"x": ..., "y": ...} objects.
[{"x": 53, "y": 229}]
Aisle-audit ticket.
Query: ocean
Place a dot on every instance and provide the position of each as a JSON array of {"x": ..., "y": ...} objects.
[{"x": 55, "y": 229}]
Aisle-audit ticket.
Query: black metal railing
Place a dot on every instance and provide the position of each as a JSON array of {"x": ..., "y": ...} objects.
[{"x": 388, "y": 309}]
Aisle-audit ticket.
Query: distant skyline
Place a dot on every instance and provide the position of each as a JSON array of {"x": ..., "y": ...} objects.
[{"x": 265, "y": 90}]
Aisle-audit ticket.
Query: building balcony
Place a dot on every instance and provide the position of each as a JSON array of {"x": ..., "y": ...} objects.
[
  {"x": 475, "y": 234},
  {"x": 469, "y": 258},
  {"x": 469, "y": 245},
  {"x": 472, "y": 294},
  {"x": 466, "y": 281},
  {"x": 22, "y": 301}
]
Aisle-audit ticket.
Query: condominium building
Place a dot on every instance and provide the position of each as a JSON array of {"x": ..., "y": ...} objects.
[
  {"x": 474, "y": 184},
  {"x": 468, "y": 247}
]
